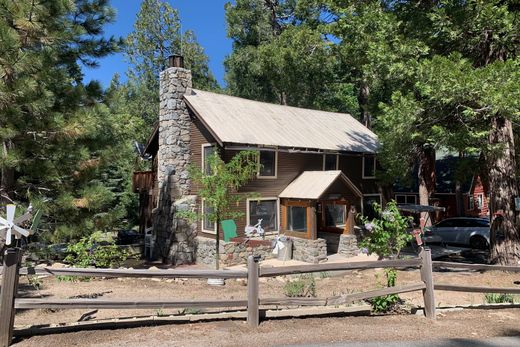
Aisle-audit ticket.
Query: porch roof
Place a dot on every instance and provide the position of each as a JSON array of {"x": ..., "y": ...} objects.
[{"x": 314, "y": 184}]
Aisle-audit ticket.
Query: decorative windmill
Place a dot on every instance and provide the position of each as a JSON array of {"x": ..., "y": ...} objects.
[{"x": 11, "y": 226}]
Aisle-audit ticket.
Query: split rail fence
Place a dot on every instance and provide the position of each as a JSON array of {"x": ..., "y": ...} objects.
[{"x": 9, "y": 301}]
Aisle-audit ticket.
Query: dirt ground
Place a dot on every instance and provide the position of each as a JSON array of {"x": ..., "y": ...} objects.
[{"x": 474, "y": 324}]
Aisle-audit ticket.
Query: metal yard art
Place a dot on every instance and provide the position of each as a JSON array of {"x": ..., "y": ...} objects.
[{"x": 10, "y": 226}]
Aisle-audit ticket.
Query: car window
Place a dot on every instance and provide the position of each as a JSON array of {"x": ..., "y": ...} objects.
[
  {"x": 445, "y": 224},
  {"x": 477, "y": 223}
]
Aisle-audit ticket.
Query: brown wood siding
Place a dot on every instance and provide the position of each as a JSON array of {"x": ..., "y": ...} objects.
[{"x": 199, "y": 136}]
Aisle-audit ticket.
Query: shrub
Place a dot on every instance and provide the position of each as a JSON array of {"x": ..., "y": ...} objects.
[
  {"x": 381, "y": 304},
  {"x": 96, "y": 250},
  {"x": 304, "y": 286},
  {"x": 495, "y": 298}
]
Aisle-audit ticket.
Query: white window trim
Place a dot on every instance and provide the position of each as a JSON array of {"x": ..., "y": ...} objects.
[
  {"x": 406, "y": 196},
  {"x": 214, "y": 231},
  {"x": 337, "y": 160},
  {"x": 369, "y": 195},
  {"x": 277, "y": 213},
  {"x": 363, "y": 167},
  {"x": 275, "y": 165},
  {"x": 480, "y": 197},
  {"x": 471, "y": 203},
  {"x": 202, "y": 156}
]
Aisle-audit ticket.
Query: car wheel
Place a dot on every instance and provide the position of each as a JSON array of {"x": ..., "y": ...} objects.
[{"x": 478, "y": 242}]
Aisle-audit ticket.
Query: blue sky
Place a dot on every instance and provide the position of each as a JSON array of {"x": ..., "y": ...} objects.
[{"x": 205, "y": 17}]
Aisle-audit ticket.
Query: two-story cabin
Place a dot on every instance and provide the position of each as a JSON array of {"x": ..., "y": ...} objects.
[{"x": 315, "y": 165}]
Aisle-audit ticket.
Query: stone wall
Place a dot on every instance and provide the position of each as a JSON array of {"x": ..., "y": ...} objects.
[
  {"x": 174, "y": 238},
  {"x": 231, "y": 253},
  {"x": 348, "y": 245},
  {"x": 309, "y": 251}
]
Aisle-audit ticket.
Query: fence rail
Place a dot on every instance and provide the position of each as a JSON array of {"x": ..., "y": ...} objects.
[
  {"x": 11, "y": 272},
  {"x": 478, "y": 267}
]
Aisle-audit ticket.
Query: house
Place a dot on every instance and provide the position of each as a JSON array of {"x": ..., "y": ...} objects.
[
  {"x": 315, "y": 166},
  {"x": 475, "y": 197}
]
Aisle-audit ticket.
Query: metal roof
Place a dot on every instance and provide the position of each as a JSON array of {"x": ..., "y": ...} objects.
[
  {"x": 242, "y": 121},
  {"x": 313, "y": 184}
]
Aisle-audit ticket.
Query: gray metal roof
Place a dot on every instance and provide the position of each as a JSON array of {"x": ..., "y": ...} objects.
[
  {"x": 243, "y": 121},
  {"x": 313, "y": 184}
]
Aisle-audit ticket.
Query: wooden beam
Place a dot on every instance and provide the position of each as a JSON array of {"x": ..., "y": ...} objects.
[
  {"x": 343, "y": 299},
  {"x": 23, "y": 303},
  {"x": 478, "y": 267},
  {"x": 12, "y": 257},
  {"x": 298, "y": 269},
  {"x": 93, "y": 272},
  {"x": 253, "y": 314},
  {"x": 427, "y": 278},
  {"x": 476, "y": 289}
]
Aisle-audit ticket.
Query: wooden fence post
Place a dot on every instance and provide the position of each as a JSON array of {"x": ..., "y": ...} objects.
[
  {"x": 9, "y": 289},
  {"x": 253, "y": 315},
  {"x": 427, "y": 278}
]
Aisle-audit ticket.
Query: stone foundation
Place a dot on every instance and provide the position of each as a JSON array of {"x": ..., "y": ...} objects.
[
  {"x": 348, "y": 245},
  {"x": 232, "y": 253},
  {"x": 309, "y": 251}
]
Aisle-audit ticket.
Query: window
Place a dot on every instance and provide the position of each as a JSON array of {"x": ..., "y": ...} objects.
[
  {"x": 296, "y": 218},
  {"x": 471, "y": 203},
  {"x": 369, "y": 166},
  {"x": 208, "y": 149},
  {"x": 480, "y": 201},
  {"x": 264, "y": 209},
  {"x": 267, "y": 161},
  {"x": 335, "y": 215},
  {"x": 405, "y": 199},
  {"x": 208, "y": 225},
  {"x": 330, "y": 162},
  {"x": 367, "y": 207}
]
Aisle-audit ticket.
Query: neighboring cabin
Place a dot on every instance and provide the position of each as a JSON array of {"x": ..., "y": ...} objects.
[{"x": 315, "y": 165}]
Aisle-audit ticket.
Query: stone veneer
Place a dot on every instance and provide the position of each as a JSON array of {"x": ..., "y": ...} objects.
[
  {"x": 174, "y": 238},
  {"x": 310, "y": 251},
  {"x": 348, "y": 245},
  {"x": 231, "y": 253}
]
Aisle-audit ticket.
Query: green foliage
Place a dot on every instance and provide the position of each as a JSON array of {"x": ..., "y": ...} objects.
[
  {"x": 387, "y": 233},
  {"x": 157, "y": 35},
  {"x": 381, "y": 304},
  {"x": 304, "y": 286},
  {"x": 97, "y": 250},
  {"x": 495, "y": 298}
]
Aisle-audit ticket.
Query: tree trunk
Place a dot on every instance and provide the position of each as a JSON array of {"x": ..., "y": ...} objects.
[
  {"x": 363, "y": 96},
  {"x": 6, "y": 177},
  {"x": 505, "y": 246},
  {"x": 426, "y": 176},
  {"x": 459, "y": 198}
]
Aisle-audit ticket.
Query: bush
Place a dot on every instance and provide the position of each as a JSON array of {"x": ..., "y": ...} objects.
[
  {"x": 386, "y": 303},
  {"x": 495, "y": 298},
  {"x": 387, "y": 234},
  {"x": 96, "y": 250},
  {"x": 304, "y": 286}
]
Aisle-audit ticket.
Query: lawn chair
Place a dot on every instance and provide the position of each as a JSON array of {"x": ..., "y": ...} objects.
[{"x": 230, "y": 229}]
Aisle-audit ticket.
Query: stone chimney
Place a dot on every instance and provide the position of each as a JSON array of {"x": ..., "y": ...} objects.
[{"x": 174, "y": 237}]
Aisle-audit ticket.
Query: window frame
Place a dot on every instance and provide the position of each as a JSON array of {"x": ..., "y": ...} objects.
[
  {"x": 275, "y": 164},
  {"x": 471, "y": 203},
  {"x": 406, "y": 196},
  {"x": 310, "y": 233},
  {"x": 480, "y": 201},
  {"x": 345, "y": 214},
  {"x": 324, "y": 158},
  {"x": 365, "y": 157},
  {"x": 207, "y": 231},
  {"x": 248, "y": 211},
  {"x": 203, "y": 156}
]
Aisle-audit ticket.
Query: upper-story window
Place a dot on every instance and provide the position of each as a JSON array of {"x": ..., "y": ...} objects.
[
  {"x": 330, "y": 162},
  {"x": 208, "y": 149},
  {"x": 268, "y": 164},
  {"x": 369, "y": 166}
]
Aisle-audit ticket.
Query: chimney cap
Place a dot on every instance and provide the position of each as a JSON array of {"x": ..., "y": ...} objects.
[{"x": 176, "y": 60}]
